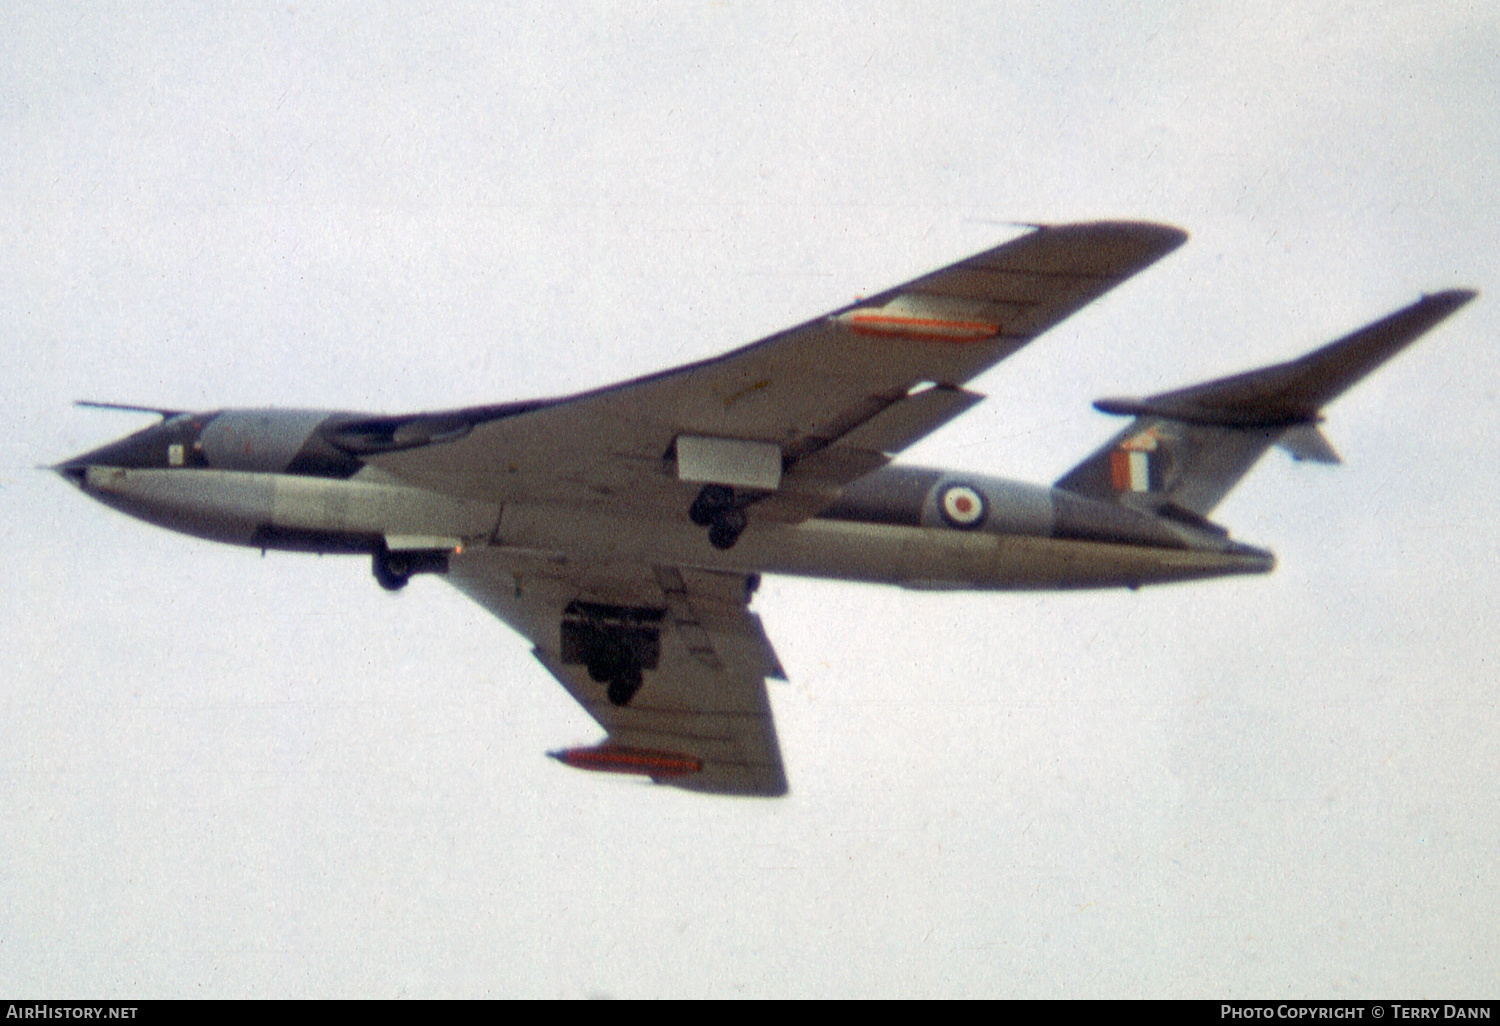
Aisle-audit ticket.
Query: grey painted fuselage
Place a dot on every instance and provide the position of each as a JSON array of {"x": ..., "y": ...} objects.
[{"x": 295, "y": 480}]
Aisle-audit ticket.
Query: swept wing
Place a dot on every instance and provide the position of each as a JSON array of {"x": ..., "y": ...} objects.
[
  {"x": 704, "y": 723},
  {"x": 834, "y": 396},
  {"x": 816, "y": 407}
]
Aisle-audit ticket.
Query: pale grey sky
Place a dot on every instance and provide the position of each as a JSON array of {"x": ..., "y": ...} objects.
[{"x": 234, "y": 776}]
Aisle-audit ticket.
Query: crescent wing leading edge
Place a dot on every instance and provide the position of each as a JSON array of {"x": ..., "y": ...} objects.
[{"x": 835, "y": 395}]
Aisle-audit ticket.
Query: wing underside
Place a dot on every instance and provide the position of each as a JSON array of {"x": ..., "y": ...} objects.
[{"x": 701, "y": 719}]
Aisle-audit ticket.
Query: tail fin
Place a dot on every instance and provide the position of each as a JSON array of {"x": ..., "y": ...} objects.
[{"x": 1186, "y": 449}]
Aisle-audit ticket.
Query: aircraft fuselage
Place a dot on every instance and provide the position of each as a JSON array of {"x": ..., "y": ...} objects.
[{"x": 277, "y": 479}]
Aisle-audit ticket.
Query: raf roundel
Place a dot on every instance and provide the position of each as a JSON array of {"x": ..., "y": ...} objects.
[{"x": 962, "y": 506}]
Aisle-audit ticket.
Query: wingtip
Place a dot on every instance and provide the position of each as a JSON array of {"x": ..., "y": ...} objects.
[
  {"x": 1453, "y": 298},
  {"x": 1165, "y": 233},
  {"x": 1170, "y": 235},
  {"x": 1125, "y": 225}
]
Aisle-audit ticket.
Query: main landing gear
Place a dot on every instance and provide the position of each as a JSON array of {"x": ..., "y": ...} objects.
[
  {"x": 722, "y": 512},
  {"x": 615, "y": 644},
  {"x": 615, "y": 664}
]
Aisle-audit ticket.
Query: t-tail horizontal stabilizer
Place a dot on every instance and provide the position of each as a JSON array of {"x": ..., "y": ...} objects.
[{"x": 1186, "y": 449}]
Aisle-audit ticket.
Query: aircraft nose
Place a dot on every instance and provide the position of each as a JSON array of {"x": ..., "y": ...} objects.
[
  {"x": 74, "y": 470},
  {"x": 153, "y": 447}
]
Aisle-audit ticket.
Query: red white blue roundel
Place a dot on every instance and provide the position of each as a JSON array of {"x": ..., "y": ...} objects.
[{"x": 962, "y": 506}]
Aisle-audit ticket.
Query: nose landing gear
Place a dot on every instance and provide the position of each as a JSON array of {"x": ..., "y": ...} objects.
[
  {"x": 393, "y": 568},
  {"x": 392, "y": 571}
]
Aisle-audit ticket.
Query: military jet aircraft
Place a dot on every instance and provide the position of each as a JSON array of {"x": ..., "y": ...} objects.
[{"x": 624, "y": 530}]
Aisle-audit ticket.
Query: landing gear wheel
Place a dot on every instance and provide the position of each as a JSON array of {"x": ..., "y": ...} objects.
[
  {"x": 726, "y": 528},
  {"x": 609, "y": 661},
  {"x": 624, "y": 686},
  {"x": 391, "y": 569},
  {"x": 711, "y": 500}
]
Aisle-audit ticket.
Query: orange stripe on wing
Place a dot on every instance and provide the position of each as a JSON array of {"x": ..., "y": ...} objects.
[
  {"x": 618, "y": 759},
  {"x": 920, "y": 327}
]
